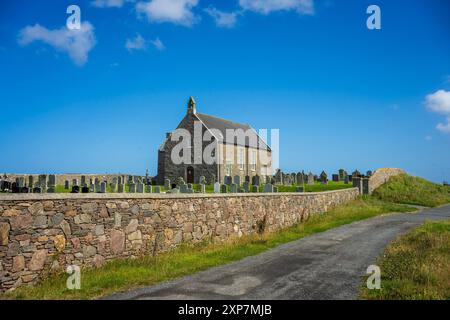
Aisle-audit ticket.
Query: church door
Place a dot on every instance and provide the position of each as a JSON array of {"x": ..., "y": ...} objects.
[{"x": 190, "y": 175}]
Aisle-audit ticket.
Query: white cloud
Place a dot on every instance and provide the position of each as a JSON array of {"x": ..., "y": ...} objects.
[
  {"x": 444, "y": 127},
  {"x": 267, "y": 6},
  {"x": 107, "y": 3},
  {"x": 158, "y": 44},
  {"x": 174, "y": 11},
  {"x": 439, "y": 102},
  {"x": 76, "y": 43},
  {"x": 222, "y": 19},
  {"x": 137, "y": 43}
]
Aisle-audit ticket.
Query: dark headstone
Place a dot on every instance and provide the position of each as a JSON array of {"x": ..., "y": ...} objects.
[
  {"x": 85, "y": 189},
  {"x": 75, "y": 189}
]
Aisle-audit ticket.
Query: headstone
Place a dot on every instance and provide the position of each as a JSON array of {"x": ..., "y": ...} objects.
[
  {"x": 120, "y": 188},
  {"x": 310, "y": 178},
  {"x": 335, "y": 177},
  {"x": 223, "y": 188},
  {"x": 247, "y": 179},
  {"x": 75, "y": 189},
  {"x": 300, "y": 179},
  {"x": 357, "y": 183},
  {"x": 113, "y": 187},
  {"x": 341, "y": 174},
  {"x": 323, "y": 178},
  {"x": 216, "y": 187},
  {"x": 246, "y": 186},
  {"x": 132, "y": 187},
  {"x": 140, "y": 187},
  {"x": 183, "y": 188},
  {"x": 25, "y": 190},
  {"x": 103, "y": 187},
  {"x": 157, "y": 189},
  {"x": 279, "y": 177},
  {"x": 227, "y": 180},
  {"x": 346, "y": 179},
  {"x": 356, "y": 174},
  {"x": 20, "y": 182},
  {"x": 92, "y": 188},
  {"x": 37, "y": 190},
  {"x": 202, "y": 180},
  {"x": 365, "y": 185},
  {"x": 299, "y": 189},
  {"x": 75, "y": 182},
  {"x": 15, "y": 188},
  {"x": 255, "y": 189},
  {"x": 148, "y": 188},
  {"x": 350, "y": 177},
  {"x": 256, "y": 181},
  {"x": 237, "y": 180},
  {"x": 189, "y": 185},
  {"x": 85, "y": 189},
  {"x": 167, "y": 184},
  {"x": 234, "y": 187},
  {"x": 83, "y": 181},
  {"x": 30, "y": 181},
  {"x": 268, "y": 187},
  {"x": 275, "y": 189},
  {"x": 293, "y": 179},
  {"x": 174, "y": 190},
  {"x": 119, "y": 180},
  {"x": 51, "y": 189},
  {"x": 180, "y": 181},
  {"x": 42, "y": 181},
  {"x": 202, "y": 188},
  {"x": 66, "y": 185}
]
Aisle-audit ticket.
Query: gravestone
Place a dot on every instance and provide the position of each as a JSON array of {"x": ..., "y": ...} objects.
[
  {"x": 202, "y": 180},
  {"x": 157, "y": 189},
  {"x": 51, "y": 189},
  {"x": 341, "y": 174},
  {"x": 113, "y": 187},
  {"x": 346, "y": 179},
  {"x": 255, "y": 189},
  {"x": 365, "y": 185},
  {"x": 293, "y": 179},
  {"x": 279, "y": 177},
  {"x": 247, "y": 179},
  {"x": 216, "y": 187},
  {"x": 167, "y": 184},
  {"x": 310, "y": 178},
  {"x": 140, "y": 187},
  {"x": 189, "y": 190},
  {"x": 119, "y": 180},
  {"x": 189, "y": 185},
  {"x": 223, "y": 188},
  {"x": 132, "y": 187},
  {"x": 103, "y": 187},
  {"x": 356, "y": 174},
  {"x": 299, "y": 189},
  {"x": 42, "y": 181},
  {"x": 323, "y": 178},
  {"x": 52, "y": 180},
  {"x": 83, "y": 181},
  {"x": 227, "y": 180},
  {"x": 148, "y": 188},
  {"x": 183, "y": 188},
  {"x": 97, "y": 187},
  {"x": 268, "y": 188},
  {"x": 246, "y": 186},
  {"x": 25, "y": 190},
  {"x": 30, "y": 181},
  {"x": 202, "y": 188},
  {"x": 15, "y": 188},
  {"x": 120, "y": 188},
  {"x": 66, "y": 185},
  {"x": 275, "y": 189},
  {"x": 234, "y": 187},
  {"x": 350, "y": 177},
  {"x": 21, "y": 182},
  {"x": 357, "y": 183},
  {"x": 256, "y": 180},
  {"x": 92, "y": 188},
  {"x": 85, "y": 189},
  {"x": 37, "y": 190},
  {"x": 180, "y": 181},
  {"x": 237, "y": 180},
  {"x": 75, "y": 189},
  {"x": 335, "y": 177},
  {"x": 300, "y": 181},
  {"x": 174, "y": 190},
  {"x": 74, "y": 182}
]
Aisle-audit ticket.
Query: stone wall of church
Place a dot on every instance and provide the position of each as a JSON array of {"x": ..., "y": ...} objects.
[{"x": 41, "y": 233}]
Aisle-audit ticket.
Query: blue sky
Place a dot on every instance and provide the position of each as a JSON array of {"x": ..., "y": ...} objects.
[{"x": 340, "y": 94}]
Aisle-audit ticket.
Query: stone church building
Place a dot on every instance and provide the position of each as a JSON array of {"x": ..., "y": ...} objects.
[{"x": 244, "y": 155}]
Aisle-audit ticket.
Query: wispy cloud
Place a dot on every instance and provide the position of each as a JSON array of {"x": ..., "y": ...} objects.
[
  {"x": 158, "y": 44},
  {"x": 439, "y": 102},
  {"x": 136, "y": 43},
  {"x": 108, "y": 3},
  {"x": 268, "y": 6},
  {"x": 174, "y": 11},
  {"x": 222, "y": 19},
  {"x": 76, "y": 43}
]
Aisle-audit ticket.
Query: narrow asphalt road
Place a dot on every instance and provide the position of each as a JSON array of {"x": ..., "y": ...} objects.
[{"x": 327, "y": 265}]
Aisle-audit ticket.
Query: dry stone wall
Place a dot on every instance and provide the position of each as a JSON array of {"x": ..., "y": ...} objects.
[{"x": 44, "y": 232}]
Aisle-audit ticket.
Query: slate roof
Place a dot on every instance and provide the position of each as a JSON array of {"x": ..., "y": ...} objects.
[{"x": 222, "y": 125}]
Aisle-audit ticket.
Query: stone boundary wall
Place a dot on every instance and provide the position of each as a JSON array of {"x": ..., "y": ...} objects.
[
  {"x": 41, "y": 233},
  {"x": 381, "y": 176}
]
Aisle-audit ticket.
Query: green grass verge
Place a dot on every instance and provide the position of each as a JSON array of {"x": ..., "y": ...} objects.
[
  {"x": 413, "y": 190},
  {"x": 125, "y": 274},
  {"x": 416, "y": 265}
]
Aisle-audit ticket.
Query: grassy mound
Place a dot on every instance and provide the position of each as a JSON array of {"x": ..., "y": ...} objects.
[
  {"x": 416, "y": 266},
  {"x": 413, "y": 190}
]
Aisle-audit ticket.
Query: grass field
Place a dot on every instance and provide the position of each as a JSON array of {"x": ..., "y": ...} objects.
[
  {"x": 413, "y": 190},
  {"x": 124, "y": 274},
  {"x": 416, "y": 265}
]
